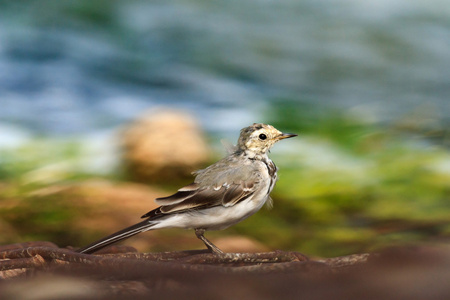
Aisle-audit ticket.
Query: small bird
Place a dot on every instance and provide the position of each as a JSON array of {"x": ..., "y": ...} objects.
[{"x": 221, "y": 195}]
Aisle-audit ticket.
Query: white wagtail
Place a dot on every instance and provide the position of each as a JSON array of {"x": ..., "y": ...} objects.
[{"x": 221, "y": 195}]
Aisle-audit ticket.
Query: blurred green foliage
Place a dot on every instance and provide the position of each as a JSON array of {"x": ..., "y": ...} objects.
[
  {"x": 346, "y": 186},
  {"x": 22, "y": 162}
]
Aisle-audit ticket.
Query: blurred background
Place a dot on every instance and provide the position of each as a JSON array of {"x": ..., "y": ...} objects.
[{"x": 103, "y": 101}]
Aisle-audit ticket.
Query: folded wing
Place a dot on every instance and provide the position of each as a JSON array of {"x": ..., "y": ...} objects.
[{"x": 197, "y": 196}]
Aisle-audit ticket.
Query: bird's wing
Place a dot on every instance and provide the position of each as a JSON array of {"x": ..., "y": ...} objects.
[{"x": 229, "y": 188}]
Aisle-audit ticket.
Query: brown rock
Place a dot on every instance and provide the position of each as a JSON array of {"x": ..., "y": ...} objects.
[
  {"x": 163, "y": 145},
  {"x": 97, "y": 208},
  {"x": 113, "y": 205}
]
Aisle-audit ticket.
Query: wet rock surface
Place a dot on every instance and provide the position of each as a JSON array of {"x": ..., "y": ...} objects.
[{"x": 40, "y": 268}]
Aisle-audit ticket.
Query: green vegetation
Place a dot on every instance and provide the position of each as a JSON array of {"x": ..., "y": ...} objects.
[{"x": 56, "y": 159}]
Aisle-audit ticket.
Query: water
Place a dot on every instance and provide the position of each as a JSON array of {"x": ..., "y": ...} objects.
[{"x": 71, "y": 68}]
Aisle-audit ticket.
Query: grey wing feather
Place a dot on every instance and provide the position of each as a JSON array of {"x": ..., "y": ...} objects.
[
  {"x": 182, "y": 194},
  {"x": 221, "y": 188},
  {"x": 201, "y": 199},
  {"x": 238, "y": 192},
  {"x": 208, "y": 197}
]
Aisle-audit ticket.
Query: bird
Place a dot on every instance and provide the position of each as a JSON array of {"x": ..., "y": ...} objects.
[{"x": 221, "y": 195}]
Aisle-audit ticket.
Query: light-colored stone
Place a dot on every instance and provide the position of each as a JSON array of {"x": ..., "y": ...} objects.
[{"x": 163, "y": 145}]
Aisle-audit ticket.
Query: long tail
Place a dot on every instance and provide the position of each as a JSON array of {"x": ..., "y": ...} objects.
[{"x": 118, "y": 236}]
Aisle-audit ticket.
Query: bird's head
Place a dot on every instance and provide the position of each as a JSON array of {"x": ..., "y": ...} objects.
[{"x": 258, "y": 138}]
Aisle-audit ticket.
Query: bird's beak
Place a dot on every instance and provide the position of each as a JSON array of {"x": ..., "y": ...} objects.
[{"x": 286, "y": 136}]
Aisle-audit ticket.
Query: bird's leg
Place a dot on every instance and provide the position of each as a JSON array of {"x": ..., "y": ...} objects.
[{"x": 213, "y": 248}]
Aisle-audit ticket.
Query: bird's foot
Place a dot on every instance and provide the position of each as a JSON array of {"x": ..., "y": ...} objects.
[{"x": 213, "y": 248}]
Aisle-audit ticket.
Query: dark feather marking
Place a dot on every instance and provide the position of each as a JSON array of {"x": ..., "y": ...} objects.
[
  {"x": 272, "y": 169},
  {"x": 177, "y": 196},
  {"x": 232, "y": 193},
  {"x": 236, "y": 194},
  {"x": 257, "y": 126},
  {"x": 154, "y": 214}
]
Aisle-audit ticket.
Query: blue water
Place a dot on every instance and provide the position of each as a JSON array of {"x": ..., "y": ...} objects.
[{"x": 73, "y": 68}]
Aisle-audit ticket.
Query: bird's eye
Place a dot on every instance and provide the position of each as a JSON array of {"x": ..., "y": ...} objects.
[{"x": 262, "y": 136}]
